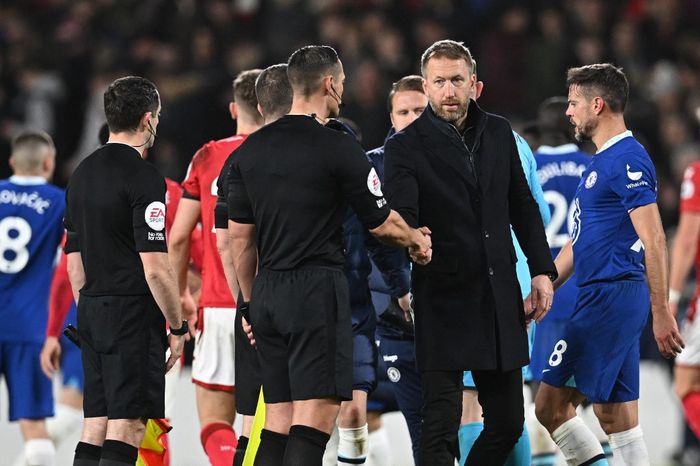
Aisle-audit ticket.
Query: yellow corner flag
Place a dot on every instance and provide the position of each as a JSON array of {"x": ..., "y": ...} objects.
[
  {"x": 258, "y": 424},
  {"x": 154, "y": 447}
]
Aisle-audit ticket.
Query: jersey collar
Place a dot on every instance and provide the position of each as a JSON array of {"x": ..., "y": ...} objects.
[
  {"x": 557, "y": 150},
  {"x": 615, "y": 139},
  {"x": 27, "y": 180}
]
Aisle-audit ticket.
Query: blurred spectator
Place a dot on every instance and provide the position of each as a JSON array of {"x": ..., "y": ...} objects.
[{"x": 57, "y": 55}]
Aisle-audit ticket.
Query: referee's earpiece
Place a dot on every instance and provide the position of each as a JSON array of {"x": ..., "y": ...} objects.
[
  {"x": 150, "y": 129},
  {"x": 336, "y": 97}
]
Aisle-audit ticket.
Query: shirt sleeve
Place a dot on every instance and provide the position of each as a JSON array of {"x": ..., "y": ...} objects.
[
  {"x": 72, "y": 238},
  {"x": 401, "y": 181},
  {"x": 690, "y": 189},
  {"x": 240, "y": 209},
  {"x": 633, "y": 178},
  {"x": 147, "y": 198},
  {"x": 527, "y": 159},
  {"x": 360, "y": 184},
  {"x": 191, "y": 185},
  {"x": 173, "y": 195},
  {"x": 221, "y": 208}
]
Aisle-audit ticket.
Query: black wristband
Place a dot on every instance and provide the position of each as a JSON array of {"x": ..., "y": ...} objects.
[
  {"x": 244, "y": 309},
  {"x": 180, "y": 331}
]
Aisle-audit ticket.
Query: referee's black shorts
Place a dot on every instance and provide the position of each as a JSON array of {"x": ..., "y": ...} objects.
[
  {"x": 301, "y": 322},
  {"x": 247, "y": 369},
  {"x": 123, "y": 352}
]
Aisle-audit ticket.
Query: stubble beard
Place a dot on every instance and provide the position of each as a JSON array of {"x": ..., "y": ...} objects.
[
  {"x": 450, "y": 117},
  {"x": 584, "y": 132}
]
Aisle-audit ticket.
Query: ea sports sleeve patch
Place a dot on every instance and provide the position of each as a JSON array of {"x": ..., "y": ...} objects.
[{"x": 148, "y": 212}]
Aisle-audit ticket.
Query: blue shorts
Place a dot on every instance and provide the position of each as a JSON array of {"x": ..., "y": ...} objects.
[
  {"x": 30, "y": 391},
  {"x": 382, "y": 398},
  {"x": 71, "y": 363},
  {"x": 399, "y": 357},
  {"x": 599, "y": 346},
  {"x": 364, "y": 363},
  {"x": 550, "y": 329}
]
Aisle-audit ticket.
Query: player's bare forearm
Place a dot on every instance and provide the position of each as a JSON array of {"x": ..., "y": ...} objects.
[
  {"x": 396, "y": 232},
  {"x": 76, "y": 274},
  {"x": 222, "y": 244},
  {"x": 656, "y": 262},
  {"x": 188, "y": 213},
  {"x": 163, "y": 285},
  {"x": 244, "y": 255},
  {"x": 647, "y": 225},
  {"x": 564, "y": 264},
  {"x": 685, "y": 245},
  {"x": 178, "y": 254}
]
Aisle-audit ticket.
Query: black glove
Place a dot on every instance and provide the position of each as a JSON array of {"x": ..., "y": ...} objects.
[{"x": 394, "y": 316}]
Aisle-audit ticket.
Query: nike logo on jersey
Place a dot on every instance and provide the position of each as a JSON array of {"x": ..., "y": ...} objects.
[{"x": 634, "y": 176}]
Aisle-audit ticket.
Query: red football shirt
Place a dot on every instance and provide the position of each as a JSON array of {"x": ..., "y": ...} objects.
[
  {"x": 200, "y": 184},
  {"x": 172, "y": 199},
  {"x": 690, "y": 202}
]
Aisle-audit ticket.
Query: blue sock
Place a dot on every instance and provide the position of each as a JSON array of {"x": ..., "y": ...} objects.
[
  {"x": 468, "y": 434},
  {"x": 520, "y": 456},
  {"x": 544, "y": 459}
]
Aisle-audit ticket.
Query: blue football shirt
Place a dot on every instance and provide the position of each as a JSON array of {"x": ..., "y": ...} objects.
[
  {"x": 559, "y": 170},
  {"x": 620, "y": 178},
  {"x": 31, "y": 227}
]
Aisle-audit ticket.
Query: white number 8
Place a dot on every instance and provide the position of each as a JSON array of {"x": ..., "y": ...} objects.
[
  {"x": 558, "y": 354},
  {"x": 16, "y": 244}
]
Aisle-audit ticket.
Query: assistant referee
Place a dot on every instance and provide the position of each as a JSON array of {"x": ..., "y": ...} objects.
[
  {"x": 289, "y": 187},
  {"x": 118, "y": 267}
]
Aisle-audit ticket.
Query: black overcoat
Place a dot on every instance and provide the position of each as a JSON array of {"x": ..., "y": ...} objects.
[{"x": 468, "y": 307}]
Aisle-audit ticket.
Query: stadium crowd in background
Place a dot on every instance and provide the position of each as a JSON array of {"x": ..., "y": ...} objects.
[{"x": 57, "y": 56}]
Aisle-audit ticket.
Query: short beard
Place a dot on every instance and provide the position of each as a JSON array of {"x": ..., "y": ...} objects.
[
  {"x": 585, "y": 133},
  {"x": 450, "y": 117}
]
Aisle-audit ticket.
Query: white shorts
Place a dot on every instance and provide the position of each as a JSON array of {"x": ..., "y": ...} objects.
[
  {"x": 171, "y": 379},
  {"x": 690, "y": 331},
  {"x": 213, "y": 364}
]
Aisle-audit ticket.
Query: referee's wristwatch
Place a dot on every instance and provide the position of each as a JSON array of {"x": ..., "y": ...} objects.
[
  {"x": 180, "y": 331},
  {"x": 552, "y": 276}
]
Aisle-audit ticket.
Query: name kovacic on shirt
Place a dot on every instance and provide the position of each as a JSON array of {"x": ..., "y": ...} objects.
[{"x": 32, "y": 200}]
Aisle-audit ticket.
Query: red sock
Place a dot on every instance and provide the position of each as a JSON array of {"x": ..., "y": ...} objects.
[
  {"x": 219, "y": 442},
  {"x": 691, "y": 408}
]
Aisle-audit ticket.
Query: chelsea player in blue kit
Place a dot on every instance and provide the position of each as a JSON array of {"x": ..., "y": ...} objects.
[
  {"x": 31, "y": 213},
  {"x": 618, "y": 245}
]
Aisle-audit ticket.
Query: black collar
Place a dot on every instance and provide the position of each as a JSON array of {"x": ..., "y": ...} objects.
[
  {"x": 476, "y": 121},
  {"x": 476, "y": 118}
]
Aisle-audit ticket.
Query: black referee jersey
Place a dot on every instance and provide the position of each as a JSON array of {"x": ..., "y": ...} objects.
[
  {"x": 294, "y": 179},
  {"x": 115, "y": 209}
]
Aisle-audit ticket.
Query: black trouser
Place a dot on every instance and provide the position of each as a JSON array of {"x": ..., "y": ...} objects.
[{"x": 500, "y": 396}]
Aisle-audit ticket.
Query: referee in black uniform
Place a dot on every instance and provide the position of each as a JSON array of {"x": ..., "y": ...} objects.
[
  {"x": 288, "y": 191},
  {"x": 118, "y": 266}
]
